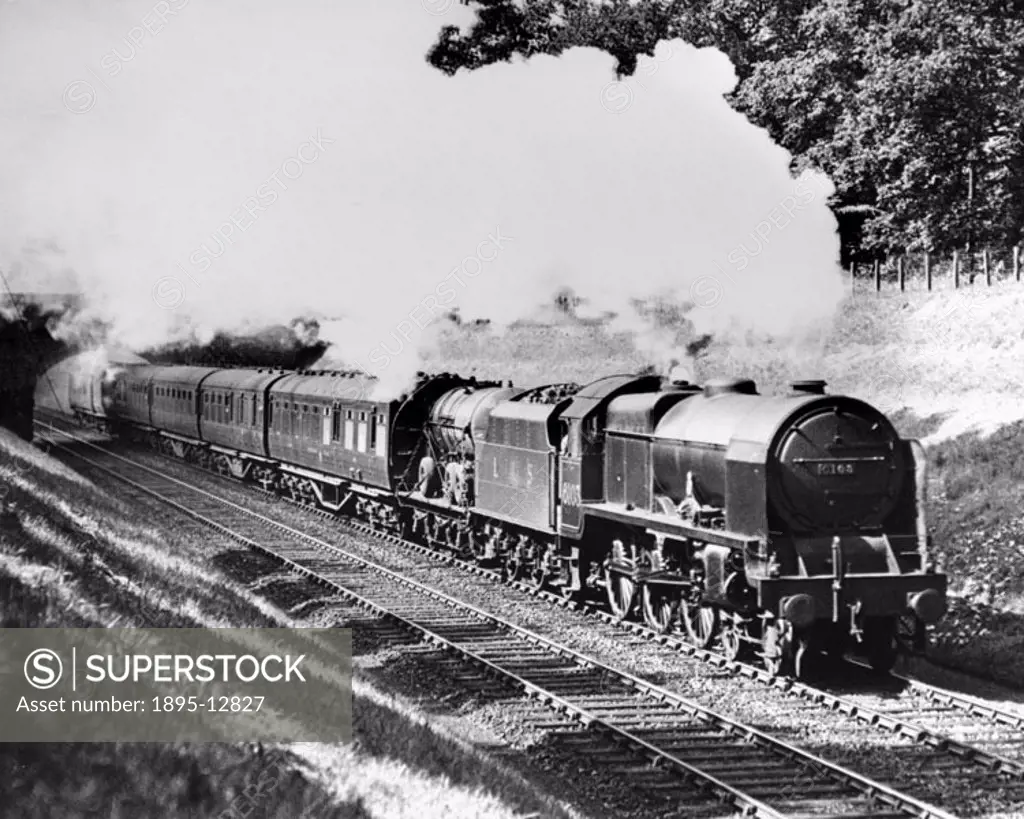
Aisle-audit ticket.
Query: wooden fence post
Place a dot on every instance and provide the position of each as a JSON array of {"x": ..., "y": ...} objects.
[
  {"x": 928, "y": 270},
  {"x": 878, "y": 277},
  {"x": 901, "y": 274},
  {"x": 985, "y": 267},
  {"x": 1016, "y": 263},
  {"x": 956, "y": 269}
]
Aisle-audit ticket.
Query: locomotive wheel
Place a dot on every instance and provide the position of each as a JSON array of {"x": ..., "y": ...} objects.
[
  {"x": 733, "y": 645},
  {"x": 774, "y": 651},
  {"x": 880, "y": 644},
  {"x": 802, "y": 657},
  {"x": 661, "y": 607},
  {"x": 700, "y": 622},
  {"x": 621, "y": 593}
]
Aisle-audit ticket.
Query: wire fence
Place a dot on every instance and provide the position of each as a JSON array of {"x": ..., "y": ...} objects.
[{"x": 927, "y": 271}]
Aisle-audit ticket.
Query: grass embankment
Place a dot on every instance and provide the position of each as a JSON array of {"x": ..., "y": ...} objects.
[
  {"x": 72, "y": 555},
  {"x": 947, "y": 366}
]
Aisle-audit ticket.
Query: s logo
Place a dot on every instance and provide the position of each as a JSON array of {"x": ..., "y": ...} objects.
[{"x": 43, "y": 668}]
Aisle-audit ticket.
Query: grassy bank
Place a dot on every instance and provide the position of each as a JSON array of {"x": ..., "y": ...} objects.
[{"x": 77, "y": 556}]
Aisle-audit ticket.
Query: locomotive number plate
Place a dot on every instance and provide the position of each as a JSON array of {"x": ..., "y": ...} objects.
[{"x": 835, "y": 468}]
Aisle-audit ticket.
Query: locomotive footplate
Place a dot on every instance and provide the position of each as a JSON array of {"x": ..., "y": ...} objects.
[
  {"x": 871, "y": 595},
  {"x": 665, "y": 579}
]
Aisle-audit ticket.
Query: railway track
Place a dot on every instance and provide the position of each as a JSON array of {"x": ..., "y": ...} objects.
[
  {"x": 926, "y": 713},
  {"x": 744, "y": 767}
]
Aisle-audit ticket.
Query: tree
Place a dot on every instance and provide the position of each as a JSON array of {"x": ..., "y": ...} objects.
[{"x": 901, "y": 102}]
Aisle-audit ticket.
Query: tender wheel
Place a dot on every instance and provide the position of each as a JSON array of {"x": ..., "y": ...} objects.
[
  {"x": 512, "y": 565},
  {"x": 661, "y": 607},
  {"x": 700, "y": 622},
  {"x": 881, "y": 647},
  {"x": 540, "y": 573},
  {"x": 477, "y": 546},
  {"x": 621, "y": 593}
]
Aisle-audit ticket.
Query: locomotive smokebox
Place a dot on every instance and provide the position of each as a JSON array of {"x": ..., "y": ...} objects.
[{"x": 809, "y": 386}]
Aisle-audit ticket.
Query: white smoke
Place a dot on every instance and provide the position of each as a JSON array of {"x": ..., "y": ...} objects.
[{"x": 200, "y": 167}]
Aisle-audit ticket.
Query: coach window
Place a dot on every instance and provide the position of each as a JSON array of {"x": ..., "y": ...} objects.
[
  {"x": 361, "y": 433},
  {"x": 336, "y": 423},
  {"x": 252, "y": 418},
  {"x": 349, "y": 430},
  {"x": 373, "y": 432},
  {"x": 382, "y": 437}
]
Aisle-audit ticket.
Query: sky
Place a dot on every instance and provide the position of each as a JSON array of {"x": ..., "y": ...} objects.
[{"x": 218, "y": 166}]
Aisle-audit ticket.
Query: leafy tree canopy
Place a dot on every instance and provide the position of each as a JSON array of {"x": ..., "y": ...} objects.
[{"x": 915, "y": 108}]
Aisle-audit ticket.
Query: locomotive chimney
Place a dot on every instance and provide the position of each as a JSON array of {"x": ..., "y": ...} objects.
[
  {"x": 811, "y": 386},
  {"x": 723, "y": 386}
]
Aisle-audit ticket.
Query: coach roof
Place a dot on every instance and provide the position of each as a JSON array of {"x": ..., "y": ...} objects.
[
  {"x": 250, "y": 380},
  {"x": 340, "y": 387},
  {"x": 181, "y": 376}
]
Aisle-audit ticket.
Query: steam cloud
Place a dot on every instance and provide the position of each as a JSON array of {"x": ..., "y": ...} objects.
[{"x": 195, "y": 168}]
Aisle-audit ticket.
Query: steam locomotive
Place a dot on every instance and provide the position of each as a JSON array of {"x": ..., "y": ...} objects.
[{"x": 787, "y": 526}]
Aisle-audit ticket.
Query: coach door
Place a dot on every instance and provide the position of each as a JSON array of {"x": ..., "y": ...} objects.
[{"x": 570, "y": 473}]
